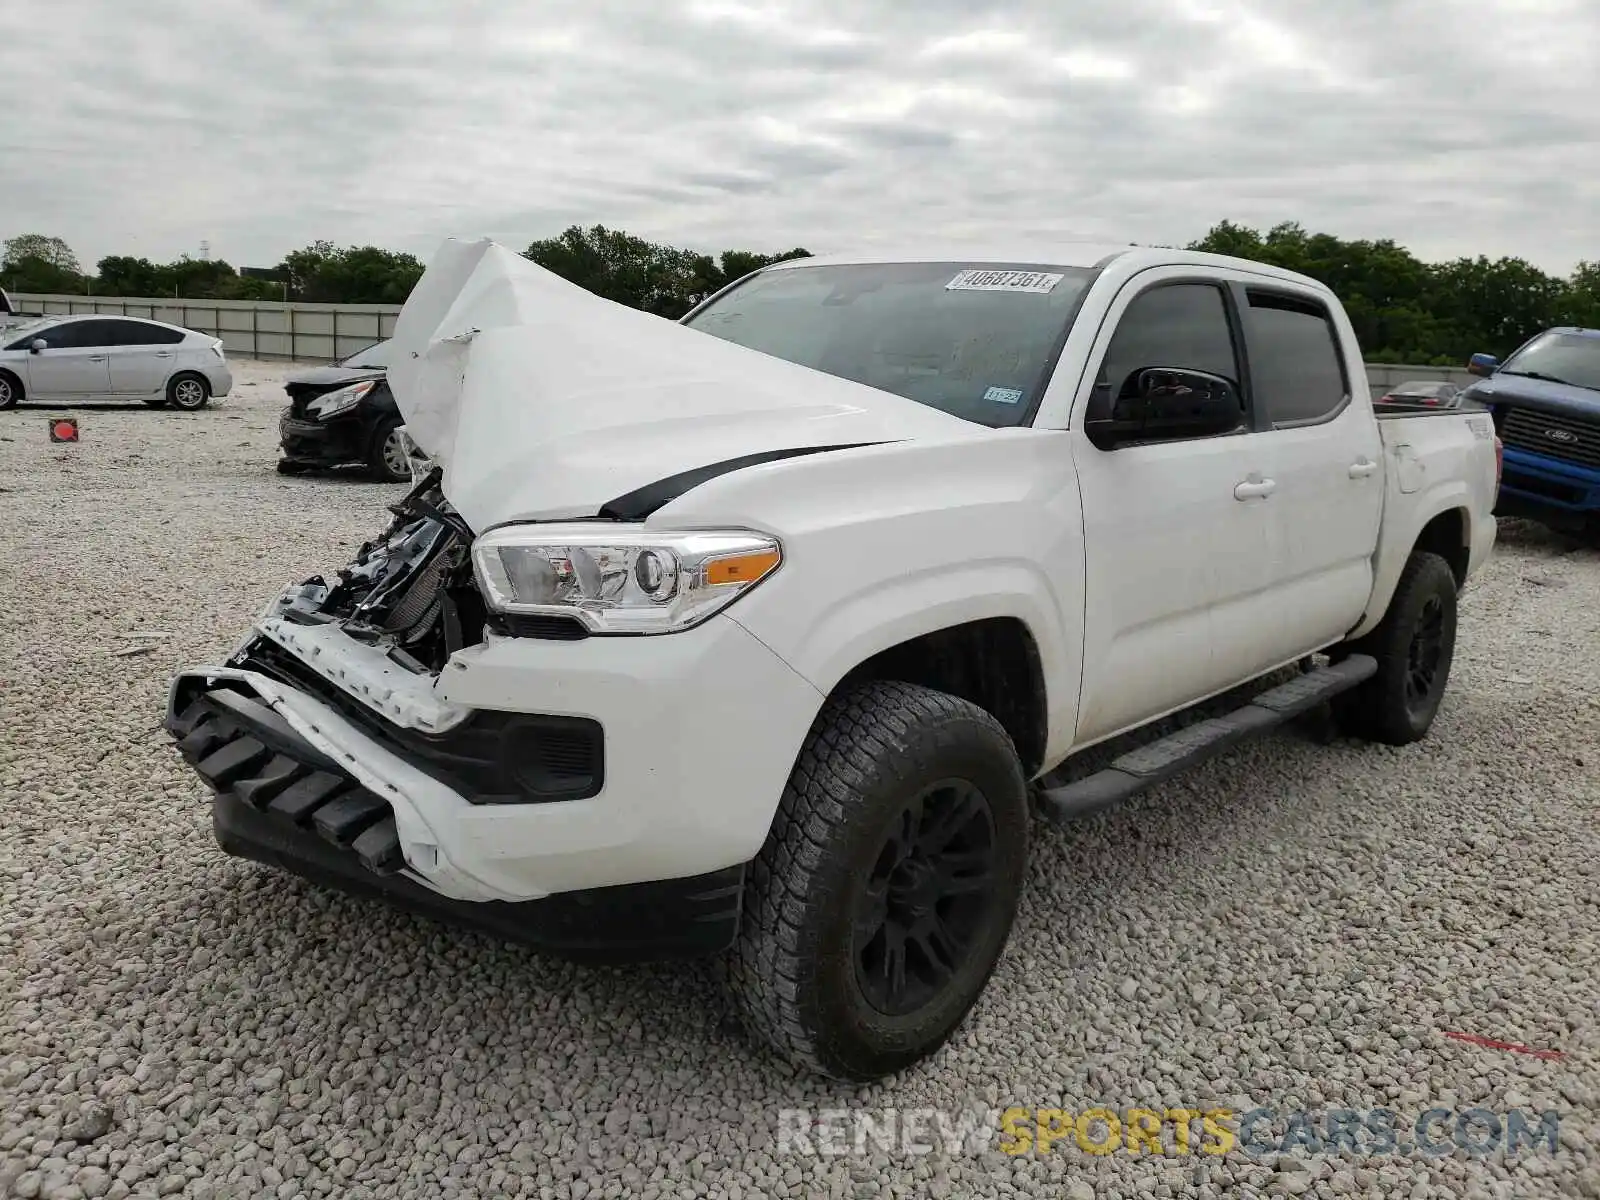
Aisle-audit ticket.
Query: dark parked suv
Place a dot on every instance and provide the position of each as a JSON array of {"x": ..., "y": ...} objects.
[{"x": 344, "y": 414}]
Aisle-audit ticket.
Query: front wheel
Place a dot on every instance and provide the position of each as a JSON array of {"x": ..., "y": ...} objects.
[
  {"x": 883, "y": 897},
  {"x": 387, "y": 459},
  {"x": 1414, "y": 645},
  {"x": 10, "y": 390},
  {"x": 188, "y": 392}
]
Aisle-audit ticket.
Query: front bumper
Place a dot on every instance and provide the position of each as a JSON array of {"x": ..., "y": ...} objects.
[
  {"x": 1532, "y": 484},
  {"x": 322, "y": 443},
  {"x": 701, "y": 731},
  {"x": 281, "y": 801}
]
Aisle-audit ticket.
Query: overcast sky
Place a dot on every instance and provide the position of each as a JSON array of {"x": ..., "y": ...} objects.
[{"x": 146, "y": 126}]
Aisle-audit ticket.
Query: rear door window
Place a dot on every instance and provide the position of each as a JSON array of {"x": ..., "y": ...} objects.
[
  {"x": 141, "y": 333},
  {"x": 1297, "y": 371}
]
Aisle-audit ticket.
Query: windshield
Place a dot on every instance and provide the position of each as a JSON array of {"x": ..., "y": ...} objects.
[
  {"x": 976, "y": 342},
  {"x": 373, "y": 356},
  {"x": 1565, "y": 357}
]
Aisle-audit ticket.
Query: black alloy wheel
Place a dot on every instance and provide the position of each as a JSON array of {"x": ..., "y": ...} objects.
[{"x": 928, "y": 896}]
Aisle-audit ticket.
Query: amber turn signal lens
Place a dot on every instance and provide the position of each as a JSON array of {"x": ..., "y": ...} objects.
[{"x": 741, "y": 568}]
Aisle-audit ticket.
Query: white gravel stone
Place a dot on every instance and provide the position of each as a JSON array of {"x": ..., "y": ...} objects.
[{"x": 1294, "y": 925}]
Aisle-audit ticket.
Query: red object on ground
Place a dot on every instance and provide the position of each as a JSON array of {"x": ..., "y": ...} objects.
[
  {"x": 63, "y": 429},
  {"x": 1514, "y": 1047}
]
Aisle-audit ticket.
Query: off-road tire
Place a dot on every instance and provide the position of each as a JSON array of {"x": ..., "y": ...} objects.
[
  {"x": 1384, "y": 709},
  {"x": 11, "y": 390},
  {"x": 379, "y": 465},
  {"x": 793, "y": 971},
  {"x": 181, "y": 393}
]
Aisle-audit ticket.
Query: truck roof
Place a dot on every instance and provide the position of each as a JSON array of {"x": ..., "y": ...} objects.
[{"x": 1129, "y": 258}]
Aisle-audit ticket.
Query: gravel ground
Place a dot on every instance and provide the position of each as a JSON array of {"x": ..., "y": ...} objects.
[{"x": 1295, "y": 926}]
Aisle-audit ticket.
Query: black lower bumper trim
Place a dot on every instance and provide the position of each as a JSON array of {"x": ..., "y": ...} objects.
[
  {"x": 492, "y": 757},
  {"x": 280, "y": 801}
]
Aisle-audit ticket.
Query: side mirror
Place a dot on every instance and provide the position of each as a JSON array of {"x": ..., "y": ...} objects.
[
  {"x": 1163, "y": 404},
  {"x": 1482, "y": 364},
  {"x": 37, "y": 345}
]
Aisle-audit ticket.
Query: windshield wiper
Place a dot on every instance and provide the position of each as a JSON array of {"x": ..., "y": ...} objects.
[{"x": 1540, "y": 375}]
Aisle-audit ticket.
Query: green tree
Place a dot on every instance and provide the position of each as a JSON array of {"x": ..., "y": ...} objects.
[
  {"x": 1227, "y": 238},
  {"x": 656, "y": 278},
  {"x": 51, "y": 250},
  {"x": 1496, "y": 306},
  {"x": 190, "y": 278},
  {"x": 645, "y": 275},
  {"x": 123, "y": 275},
  {"x": 331, "y": 274},
  {"x": 34, "y": 262},
  {"x": 714, "y": 274},
  {"x": 1583, "y": 293}
]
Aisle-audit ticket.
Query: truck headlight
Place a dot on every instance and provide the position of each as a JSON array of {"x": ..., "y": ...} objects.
[
  {"x": 331, "y": 404},
  {"x": 617, "y": 579}
]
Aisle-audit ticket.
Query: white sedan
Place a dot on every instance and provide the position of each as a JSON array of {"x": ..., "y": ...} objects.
[{"x": 93, "y": 357}]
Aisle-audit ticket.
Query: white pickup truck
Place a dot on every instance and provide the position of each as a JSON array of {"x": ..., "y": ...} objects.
[{"x": 763, "y": 633}]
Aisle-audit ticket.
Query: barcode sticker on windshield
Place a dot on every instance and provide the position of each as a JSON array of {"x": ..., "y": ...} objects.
[{"x": 1037, "y": 282}]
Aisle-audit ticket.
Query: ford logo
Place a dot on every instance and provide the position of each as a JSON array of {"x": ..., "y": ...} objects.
[{"x": 1561, "y": 435}]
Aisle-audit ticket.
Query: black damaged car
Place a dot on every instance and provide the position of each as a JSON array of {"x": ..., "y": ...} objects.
[{"x": 344, "y": 414}]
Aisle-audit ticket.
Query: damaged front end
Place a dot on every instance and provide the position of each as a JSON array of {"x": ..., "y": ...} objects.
[
  {"x": 409, "y": 592},
  {"x": 371, "y": 646},
  {"x": 332, "y": 754}
]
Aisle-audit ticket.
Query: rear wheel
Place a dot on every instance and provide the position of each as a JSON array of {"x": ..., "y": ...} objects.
[
  {"x": 10, "y": 390},
  {"x": 387, "y": 458},
  {"x": 885, "y": 892},
  {"x": 1414, "y": 645},
  {"x": 188, "y": 392}
]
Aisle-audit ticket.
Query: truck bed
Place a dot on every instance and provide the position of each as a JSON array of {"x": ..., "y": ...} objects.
[{"x": 1439, "y": 465}]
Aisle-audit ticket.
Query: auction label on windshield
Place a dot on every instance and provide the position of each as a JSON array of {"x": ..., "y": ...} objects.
[{"x": 1038, "y": 282}]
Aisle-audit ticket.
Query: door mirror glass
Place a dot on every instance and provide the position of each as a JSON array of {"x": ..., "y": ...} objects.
[
  {"x": 37, "y": 345},
  {"x": 1483, "y": 364},
  {"x": 1156, "y": 404}
]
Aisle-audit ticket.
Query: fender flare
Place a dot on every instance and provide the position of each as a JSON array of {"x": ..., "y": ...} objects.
[{"x": 892, "y": 612}]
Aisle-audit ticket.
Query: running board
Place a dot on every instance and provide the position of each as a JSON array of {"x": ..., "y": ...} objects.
[{"x": 1149, "y": 765}]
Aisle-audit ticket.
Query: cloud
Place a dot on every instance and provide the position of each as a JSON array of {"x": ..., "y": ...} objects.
[{"x": 1454, "y": 126}]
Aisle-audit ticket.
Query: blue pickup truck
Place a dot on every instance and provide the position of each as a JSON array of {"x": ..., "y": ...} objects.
[{"x": 1546, "y": 404}]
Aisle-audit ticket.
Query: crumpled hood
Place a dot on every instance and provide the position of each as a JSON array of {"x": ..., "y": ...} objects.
[{"x": 541, "y": 400}]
